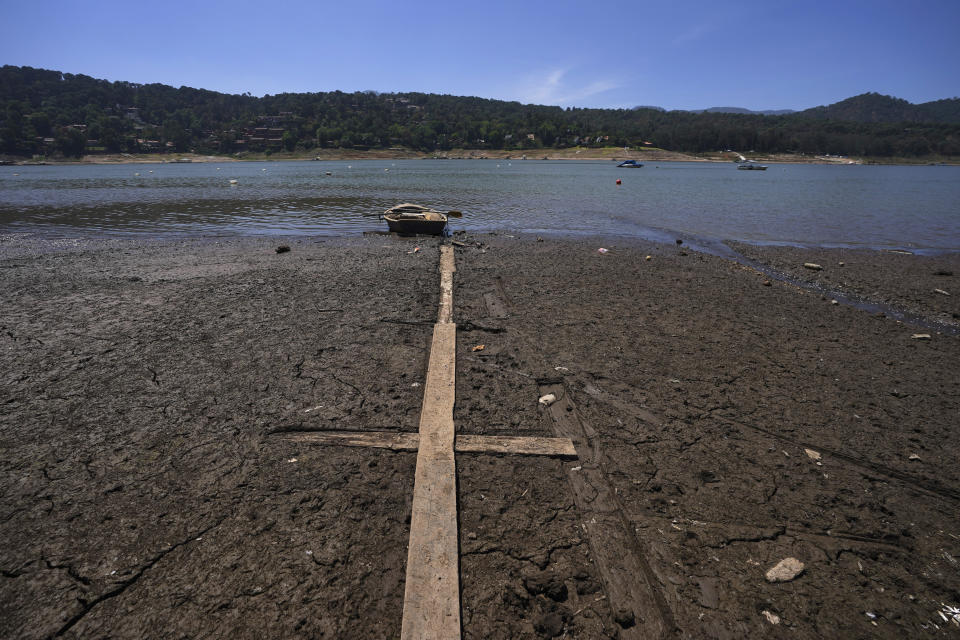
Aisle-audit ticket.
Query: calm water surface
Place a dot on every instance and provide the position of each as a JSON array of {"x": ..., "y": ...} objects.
[{"x": 875, "y": 206}]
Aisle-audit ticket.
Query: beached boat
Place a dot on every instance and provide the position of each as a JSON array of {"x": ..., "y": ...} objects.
[
  {"x": 630, "y": 163},
  {"x": 410, "y": 218}
]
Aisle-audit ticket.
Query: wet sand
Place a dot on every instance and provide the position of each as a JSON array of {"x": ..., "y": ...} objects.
[{"x": 146, "y": 491}]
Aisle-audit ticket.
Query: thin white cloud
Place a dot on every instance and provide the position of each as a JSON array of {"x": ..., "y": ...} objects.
[{"x": 553, "y": 88}]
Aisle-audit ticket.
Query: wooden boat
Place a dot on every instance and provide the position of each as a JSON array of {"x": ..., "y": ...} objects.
[{"x": 410, "y": 218}]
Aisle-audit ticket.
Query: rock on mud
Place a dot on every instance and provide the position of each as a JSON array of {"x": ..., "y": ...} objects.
[{"x": 785, "y": 570}]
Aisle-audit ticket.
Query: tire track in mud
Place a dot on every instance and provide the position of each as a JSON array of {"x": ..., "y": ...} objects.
[{"x": 639, "y": 606}]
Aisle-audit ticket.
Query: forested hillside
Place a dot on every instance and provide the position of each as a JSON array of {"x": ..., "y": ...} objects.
[
  {"x": 47, "y": 113},
  {"x": 873, "y": 107}
]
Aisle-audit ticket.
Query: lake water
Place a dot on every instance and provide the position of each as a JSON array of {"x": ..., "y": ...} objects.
[{"x": 852, "y": 205}]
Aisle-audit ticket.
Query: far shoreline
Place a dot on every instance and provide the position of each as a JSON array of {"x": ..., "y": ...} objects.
[{"x": 609, "y": 154}]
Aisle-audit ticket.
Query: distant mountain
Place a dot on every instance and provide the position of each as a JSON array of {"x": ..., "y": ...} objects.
[
  {"x": 741, "y": 110},
  {"x": 874, "y": 107}
]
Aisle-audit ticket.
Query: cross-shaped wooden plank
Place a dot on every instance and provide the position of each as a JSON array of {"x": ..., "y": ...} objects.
[{"x": 431, "y": 605}]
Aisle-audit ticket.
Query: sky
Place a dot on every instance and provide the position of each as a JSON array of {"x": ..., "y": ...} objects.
[{"x": 678, "y": 54}]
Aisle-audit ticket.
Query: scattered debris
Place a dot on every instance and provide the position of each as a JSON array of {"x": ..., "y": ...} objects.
[
  {"x": 292, "y": 460},
  {"x": 479, "y": 347},
  {"x": 913, "y": 456},
  {"x": 457, "y": 243},
  {"x": 785, "y": 570},
  {"x": 319, "y": 406},
  {"x": 548, "y": 399},
  {"x": 842, "y": 264},
  {"x": 560, "y": 369},
  {"x": 602, "y": 250},
  {"x": 772, "y": 618},
  {"x": 283, "y": 248},
  {"x": 950, "y": 614},
  {"x": 834, "y": 302},
  {"x": 813, "y": 265},
  {"x": 767, "y": 283},
  {"x": 813, "y": 455},
  {"x": 921, "y": 336},
  {"x": 648, "y": 258},
  {"x": 941, "y": 292}
]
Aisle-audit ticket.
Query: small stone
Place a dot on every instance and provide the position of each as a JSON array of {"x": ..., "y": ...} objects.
[
  {"x": 941, "y": 292},
  {"x": 834, "y": 302},
  {"x": 283, "y": 249},
  {"x": 813, "y": 455},
  {"x": 548, "y": 399},
  {"x": 648, "y": 258},
  {"x": 772, "y": 618},
  {"x": 914, "y": 456},
  {"x": 767, "y": 283},
  {"x": 812, "y": 265},
  {"x": 785, "y": 570},
  {"x": 842, "y": 264}
]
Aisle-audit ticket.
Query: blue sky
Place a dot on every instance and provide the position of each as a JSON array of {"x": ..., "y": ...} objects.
[{"x": 765, "y": 54}]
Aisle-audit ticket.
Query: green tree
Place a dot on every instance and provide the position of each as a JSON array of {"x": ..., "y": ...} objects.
[{"x": 71, "y": 142}]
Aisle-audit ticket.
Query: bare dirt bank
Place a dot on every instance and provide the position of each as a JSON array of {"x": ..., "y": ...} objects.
[{"x": 144, "y": 493}]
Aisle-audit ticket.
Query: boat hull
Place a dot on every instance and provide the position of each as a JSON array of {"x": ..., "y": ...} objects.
[{"x": 411, "y": 226}]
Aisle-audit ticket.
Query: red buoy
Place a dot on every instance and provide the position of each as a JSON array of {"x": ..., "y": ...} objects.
[{"x": 618, "y": 180}]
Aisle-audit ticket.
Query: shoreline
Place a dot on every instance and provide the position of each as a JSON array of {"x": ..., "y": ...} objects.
[
  {"x": 737, "y": 422},
  {"x": 582, "y": 154}
]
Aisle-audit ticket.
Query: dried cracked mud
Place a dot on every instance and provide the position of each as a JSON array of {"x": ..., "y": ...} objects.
[{"x": 146, "y": 491}]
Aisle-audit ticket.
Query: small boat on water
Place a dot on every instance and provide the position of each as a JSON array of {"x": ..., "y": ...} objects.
[
  {"x": 410, "y": 218},
  {"x": 630, "y": 163},
  {"x": 751, "y": 166}
]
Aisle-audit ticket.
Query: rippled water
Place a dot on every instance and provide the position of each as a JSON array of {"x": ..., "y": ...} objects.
[{"x": 879, "y": 206}]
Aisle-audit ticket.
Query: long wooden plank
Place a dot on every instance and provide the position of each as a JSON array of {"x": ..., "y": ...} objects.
[
  {"x": 447, "y": 267},
  {"x": 396, "y": 441},
  {"x": 431, "y": 602},
  {"x": 517, "y": 445},
  {"x": 399, "y": 441}
]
